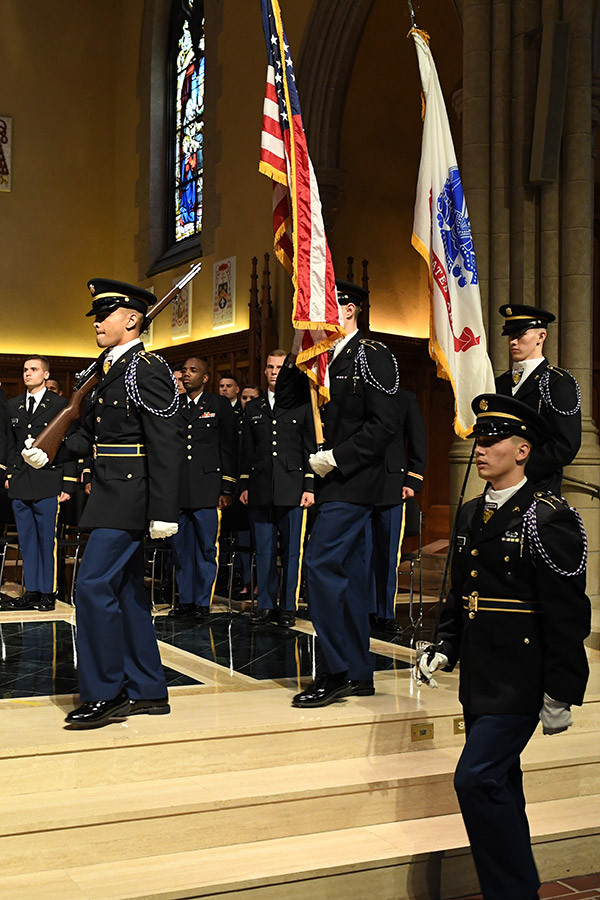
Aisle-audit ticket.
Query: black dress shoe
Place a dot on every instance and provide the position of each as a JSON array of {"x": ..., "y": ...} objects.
[
  {"x": 389, "y": 626},
  {"x": 181, "y": 611},
  {"x": 286, "y": 619},
  {"x": 362, "y": 688},
  {"x": 96, "y": 713},
  {"x": 29, "y": 600},
  {"x": 323, "y": 690},
  {"x": 201, "y": 612},
  {"x": 262, "y": 617},
  {"x": 47, "y": 603},
  {"x": 158, "y": 707}
]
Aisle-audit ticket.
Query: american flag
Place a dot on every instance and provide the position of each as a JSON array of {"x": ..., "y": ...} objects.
[{"x": 299, "y": 233}]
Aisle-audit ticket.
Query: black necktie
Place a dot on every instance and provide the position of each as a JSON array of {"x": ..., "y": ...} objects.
[{"x": 30, "y": 405}]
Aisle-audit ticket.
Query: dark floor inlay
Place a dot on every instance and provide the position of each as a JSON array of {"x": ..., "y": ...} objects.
[
  {"x": 265, "y": 652},
  {"x": 38, "y": 659}
]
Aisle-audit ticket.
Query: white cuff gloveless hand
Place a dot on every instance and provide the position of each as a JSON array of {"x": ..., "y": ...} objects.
[
  {"x": 322, "y": 462},
  {"x": 160, "y": 530},
  {"x": 34, "y": 456}
]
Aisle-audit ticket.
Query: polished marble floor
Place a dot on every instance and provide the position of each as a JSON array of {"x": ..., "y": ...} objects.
[
  {"x": 266, "y": 652},
  {"x": 38, "y": 655},
  {"x": 40, "y": 659}
]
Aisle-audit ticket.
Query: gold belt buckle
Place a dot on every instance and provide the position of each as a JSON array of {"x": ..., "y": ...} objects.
[{"x": 473, "y": 600}]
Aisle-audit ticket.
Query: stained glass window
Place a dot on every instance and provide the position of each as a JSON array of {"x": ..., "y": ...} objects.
[{"x": 188, "y": 120}]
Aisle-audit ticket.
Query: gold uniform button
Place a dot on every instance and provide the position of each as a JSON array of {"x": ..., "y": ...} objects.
[
  {"x": 471, "y": 615},
  {"x": 189, "y": 457},
  {"x": 98, "y": 419},
  {"x": 100, "y": 400},
  {"x": 525, "y": 640},
  {"x": 274, "y": 452},
  {"x": 474, "y": 552},
  {"x": 274, "y": 421},
  {"x": 507, "y": 559},
  {"x": 189, "y": 446},
  {"x": 474, "y": 573},
  {"x": 129, "y": 475},
  {"x": 115, "y": 402}
]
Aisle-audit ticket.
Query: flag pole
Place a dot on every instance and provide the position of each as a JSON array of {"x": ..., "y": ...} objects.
[
  {"x": 314, "y": 402},
  {"x": 411, "y": 10}
]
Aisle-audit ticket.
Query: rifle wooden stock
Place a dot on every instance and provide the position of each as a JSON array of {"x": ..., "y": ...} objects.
[{"x": 53, "y": 434}]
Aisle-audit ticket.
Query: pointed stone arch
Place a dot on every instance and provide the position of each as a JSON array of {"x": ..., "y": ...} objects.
[{"x": 326, "y": 59}]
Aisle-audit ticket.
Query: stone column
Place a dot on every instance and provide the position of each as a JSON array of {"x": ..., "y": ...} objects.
[
  {"x": 475, "y": 173},
  {"x": 500, "y": 258},
  {"x": 576, "y": 239}
]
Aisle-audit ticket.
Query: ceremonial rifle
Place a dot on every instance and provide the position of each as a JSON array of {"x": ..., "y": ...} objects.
[{"x": 53, "y": 434}]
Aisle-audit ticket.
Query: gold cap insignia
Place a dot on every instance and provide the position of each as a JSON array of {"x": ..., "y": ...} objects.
[
  {"x": 92, "y": 290},
  {"x": 483, "y": 405},
  {"x": 508, "y": 311}
]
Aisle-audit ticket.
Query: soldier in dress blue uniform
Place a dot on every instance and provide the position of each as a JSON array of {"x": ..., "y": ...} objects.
[
  {"x": 208, "y": 481},
  {"x": 278, "y": 486},
  {"x": 35, "y": 494},
  {"x": 359, "y": 423},
  {"x": 229, "y": 387},
  {"x": 551, "y": 391},
  {"x": 516, "y": 617},
  {"x": 132, "y": 429},
  {"x": 403, "y": 479}
]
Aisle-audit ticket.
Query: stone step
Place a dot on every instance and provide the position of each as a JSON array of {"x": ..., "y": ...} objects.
[
  {"x": 418, "y": 859},
  {"x": 216, "y": 732},
  {"x": 145, "y": 818}
]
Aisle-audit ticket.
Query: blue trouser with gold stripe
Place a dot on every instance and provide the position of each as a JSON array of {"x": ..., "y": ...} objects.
[
  {"x": 266, "y": 522},
  {"x": 336, "y": 577},
  {"x": 116, "y": 641},
  {"x": 489, "y": 785},
  {"x": 36, "y": 527},
  {"x": 388, "y": 531},
  {"x": 196, "y": 550}
]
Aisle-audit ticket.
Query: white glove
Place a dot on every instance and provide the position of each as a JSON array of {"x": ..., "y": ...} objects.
[
  {"x": 34, "y": 456},
  {"x": 555, "y": 716},
  {"x": 159, "y": 530},
  {"x": 322, "y": 462},
  {"x": 429, "y": 660}
]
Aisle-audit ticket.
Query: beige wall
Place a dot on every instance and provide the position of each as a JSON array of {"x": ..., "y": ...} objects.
[
  {"x": 68, "y": 86},
  {"x": 71, "y": 84}
]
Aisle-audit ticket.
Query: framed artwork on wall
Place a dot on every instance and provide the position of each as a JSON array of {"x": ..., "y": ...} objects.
[
  {"x": 181, "y": 314},
  {"x": 224, "y": 292},
  {"x": 5, "y": 153}
]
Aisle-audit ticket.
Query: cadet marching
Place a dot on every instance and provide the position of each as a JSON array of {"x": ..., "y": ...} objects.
[{"x": 169, "y": 458}]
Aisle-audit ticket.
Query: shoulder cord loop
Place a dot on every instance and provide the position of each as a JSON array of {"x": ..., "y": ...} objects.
[
  {"x": 361, "y": 364},
  {"x": 547, "y": 399},
  {"x": 536, "y": 546},
  {"x": 133, "y": 391}
]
